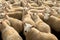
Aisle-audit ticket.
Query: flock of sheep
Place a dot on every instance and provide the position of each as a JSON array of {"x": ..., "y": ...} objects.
[{"x": 31, "y": 18}]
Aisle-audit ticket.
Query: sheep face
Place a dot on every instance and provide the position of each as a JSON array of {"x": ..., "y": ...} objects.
[{"x": 27, "y": 28}]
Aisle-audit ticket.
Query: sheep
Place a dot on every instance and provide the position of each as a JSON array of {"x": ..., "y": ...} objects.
[
  {"x": 32, "y": 33},
  {"x": 15, "y": 23},
  {"x": 41, "y": 15},
  {"x": 27, "y": 19},
  {"x": 40, "y": 25},
  {"x": 36, "y": 10},
  {"x": 16, "y": 15},
  {"x": 2, "y": 16},
  {"x": 54, "y": 22},
  {"x": 8, "y": 32},
  {"x": 41, "y": 7}
]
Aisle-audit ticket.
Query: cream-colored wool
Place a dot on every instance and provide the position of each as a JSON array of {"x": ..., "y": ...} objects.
[
  {"x": 39, "y": 2},
  {"x": 24, "y": 3},
  {"x": 41, "y": 15},
  {"x": 15, "y": 12},
  {"x": 17, "y": 4},
  {"x": 54, "y": 22},
  {"x": 56, "y": 11},
  {"x": 40, "y": 25},
  {"x": 27, "y": 19},
  {"x": 8, "y": 32},
  {"x": 49, "y": 12},
  {"x": 36, "y": 10},
  {"x": 34, "y": 34},
  {"x": 49, "y": 3},
  {"x": 41, "y": 7},
  {"x": 2, "y": 17},
  {"x": 17, "y": 15},
  {"x": 46, "y": 15},
  {"x": 14, "y": 8},
  {"x": 11, "y": 1},
  {"x": 7, "y": 22},
  {"x": 15, "y": 23},
  {"x": 58, "y": 3},
  {"x": 35, "y": 7},
  {"x": 34, "y": 4}
]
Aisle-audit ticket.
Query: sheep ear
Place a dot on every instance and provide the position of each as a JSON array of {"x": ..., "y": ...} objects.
[
  {"x": 29, "y": 24},
  {"x": 32, "y": 26}
]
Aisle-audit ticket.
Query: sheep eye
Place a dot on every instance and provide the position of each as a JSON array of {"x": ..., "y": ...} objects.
[{"x": 25, "y": 31}]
